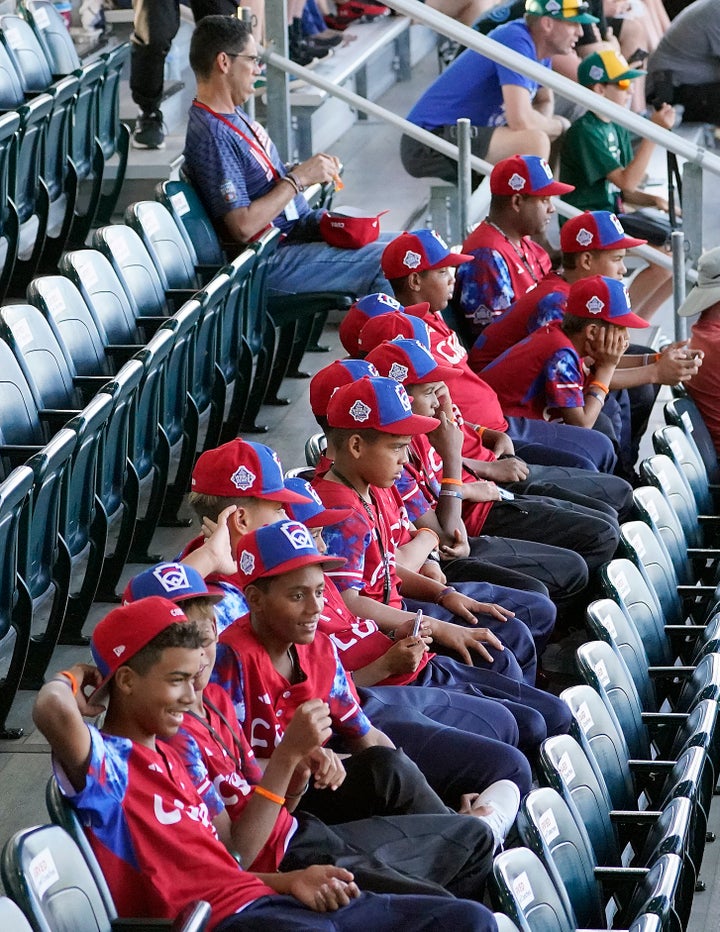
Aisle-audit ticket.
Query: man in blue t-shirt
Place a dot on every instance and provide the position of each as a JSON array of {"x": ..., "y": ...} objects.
[
  {"x": 510, "y": 112},
  {"x": 243, "y": 182}
]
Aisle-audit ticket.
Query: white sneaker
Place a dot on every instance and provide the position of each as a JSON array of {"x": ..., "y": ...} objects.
[{"x": 503, "y": 797}]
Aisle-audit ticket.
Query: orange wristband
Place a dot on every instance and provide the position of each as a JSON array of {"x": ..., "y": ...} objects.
[
  {"x": 273, "y": 797},
  {"x": 429, "y": 530},
  {"x": 480, "y": 430},
  {"x": 451, "y": 482},
  {"x": 603, "y": 388},
  {"x": 71, "y": 679}
]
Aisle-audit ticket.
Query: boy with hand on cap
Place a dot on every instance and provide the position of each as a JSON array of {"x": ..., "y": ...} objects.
[
  {"x": 144, "y": 818},
  {"x": 251, "y": 808},
  {"x": 599, "y": 162},
  {"x": 544, "y": 375},
  {"x": 506, "y": 262},
  {"x": 420, "y": 265}
]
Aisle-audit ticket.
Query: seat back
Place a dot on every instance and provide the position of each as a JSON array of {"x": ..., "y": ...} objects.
[
  {"x": 12, "y": 917},
  {"x": 565, "y": 767},
  {"x": 104, "y": 294},
  {"x": 148, "y": 414},
  {"x": 609, "y": 622},
  {"x": 164, "y": 242},
  {"x": 680, "y": 447},
  {"x": 623, "y": 582},
  {"x": 27, "y": 53},
  {"x": 256, "y": 321},
  {"x": 660, "y": 471},
  {"x": 133, "y": 267},
  {"x": 109, "y": 126},
  {"x": 525, "y": 891},
  {"x": 19, "y": 418},
  {"x": 34, "y": 121},
  {"x": 234, "y": 357},
  {"x": 113, "y": 480},
  {"x": 206, "y": 379},
  {"x": 78, "y": 333},
  {"x": 555, "y": 833},
  {"x": 53, "y": 35},
  {"x": 39, "y": 355},
  {"x": 597, "y": 730},
  {"x": 9, "y": 224},
  {"x": 11, "y": 88},
  {"x": 57, "y": 145},
  {"x": 684, "y": 413},
  {"x": 184, "y": 325},
  {"x": 15, "y": 605},
  {"x": 45, "y": 872},
  {"x": 655, "y": 510},
  {"x": 657, "y": 892},
  {"x": 196, "y": 227},
  {"x": 315, "y": 446},
  {"x": 650, "y": 556},
  {"x": 83, "y": 139},
  {"x": 602, "y": 668}
]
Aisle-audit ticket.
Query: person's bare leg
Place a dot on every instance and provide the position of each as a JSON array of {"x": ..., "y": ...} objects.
[
  {"x": 649, "y": 290},
  {"x": 506, "y": 142},
  {"x": 464, "y": 11}
]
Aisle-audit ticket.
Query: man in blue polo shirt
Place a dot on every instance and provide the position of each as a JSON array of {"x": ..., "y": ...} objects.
[
  {"x": 243, "y": 182},
  {"x": 510, "y": 112}
]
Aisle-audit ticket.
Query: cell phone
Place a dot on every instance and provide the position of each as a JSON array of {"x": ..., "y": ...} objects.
[
  {"x": 505, "y": 496},
  {"x": 418, "y": 622},
  {"x": 638, "y": 57}
]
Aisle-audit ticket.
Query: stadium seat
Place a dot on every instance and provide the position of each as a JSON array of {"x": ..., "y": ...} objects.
[
  {"x": 12, "y": 917},
  {"x": 207, "y": 382},
  {"x": 523, "y": 890},
  {"x": 660, "y": 471},
  {"x": 15, "y": 602},
  {"x": 182, "y": 201},
  {"x": 53, "y": 35},
  {"x": 165, "y": 244},
  {"x": 234, "y": 353},
  {"x": 9, "y": 222},
  {"x": 70, "y": 898},
  {"x": 315, "y": 446},
  {"x": 680, "y": 447},
  {"x": 86, "y": 151},
  {"x": 684, "y": 413},
  {"x": 113, "y": 134},
  {"x": 135, "y": 269}
]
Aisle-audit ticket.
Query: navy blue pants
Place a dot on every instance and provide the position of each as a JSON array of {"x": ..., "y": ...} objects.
[
  {"x": 554, "y": 444},
  {"x": 371, "y": 911},
  {"x": 461, "y": 742}
]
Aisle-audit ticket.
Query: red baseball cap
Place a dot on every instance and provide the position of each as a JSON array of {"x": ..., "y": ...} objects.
[
  {"x": 527, "y": 175},
  {"x": 371, "y": 305},
  {"x": 347, "y": 231},
  {"x": 377, "y": 403},
  {"x": 313, "y": 513},
  {"x": 327, "y": 381},
  {"x": 601, "y": 298},
  {"x": 409, "y": 363},
  {"x": 595, "y": 229},
  {"x": 389, "y": 326},
  {"x": 241, "y": 469},
  {"x": 419, "y": 251},
  {"x": 124, "y": 632}
]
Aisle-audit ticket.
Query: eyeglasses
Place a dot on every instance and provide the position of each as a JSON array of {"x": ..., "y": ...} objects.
[{"x": 255, "y": 59}]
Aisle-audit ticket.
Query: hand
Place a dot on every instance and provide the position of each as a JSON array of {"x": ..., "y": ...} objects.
[
  {"x": 431, "y": 570},
  {"x": 405, "y": 655},
  {"x": 308, "y": 729},
  {"x": 327, "y": 769},
  {"x": 465, "y": 607},
  {"x": 323, "y": 887},
  {"x": 447, "y": 438},
  {"x": 481, "y": 491},
  {"x": 217, "y": 542},
  {"x": 88, "y": 679},
  {"x": 469, "y": 805},
  {"x": 320, "y": 168},
  {"x": 459, "y": 548},
  {"x": 609, "y": 345},
  {"x": 510, "y": 469},
  {"x": 464, "y": 640},
  {"x": 664, "y": 117},
  {"x": 676, "y": 364}
]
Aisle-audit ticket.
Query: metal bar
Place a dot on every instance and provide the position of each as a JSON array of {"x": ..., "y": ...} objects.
[
  {"x": 693, "y": 210},
  {"x": 678, "y": 260},
  {"x": 246, "y": 15},
  {"x": 464, "y": 131},
  {"x": 279, "y": 126}
]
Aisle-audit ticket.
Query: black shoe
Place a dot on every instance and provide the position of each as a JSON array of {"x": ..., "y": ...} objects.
[{"x": 149, "y": 131}]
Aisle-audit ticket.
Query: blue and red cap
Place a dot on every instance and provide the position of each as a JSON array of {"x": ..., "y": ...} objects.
[
  {"x": 241, "y": 469},
  {"x": 371, "y": 305},
  {"x": 176, "y": 582},
  {"x": 528, "y": 175},
  {"x": 595, "y": 229},
  {"x": 126, "y": 630},
  {"x": 419, "y": 251},
  {"x": 277, "y": 549},
  {"x": 601, "y": 298},
  {"x": 313, "y": 513},
  {"x": 327, "y": 381},
  {"x": 378, "y": 404},
  {"x": 390, "y": 326},
  {"x": 409, "y": 363}
]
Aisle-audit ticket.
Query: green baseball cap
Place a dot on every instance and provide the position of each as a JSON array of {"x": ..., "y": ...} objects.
[
  {"x": 573, "y": 11},
  {"x": 606, "y": 67}
]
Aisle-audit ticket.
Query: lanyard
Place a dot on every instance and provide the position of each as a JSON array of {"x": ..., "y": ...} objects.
[
  {"x": 240, "y": 764},
  {"x": 254, "y": 143},
  {"x": 520, "y": 253}
]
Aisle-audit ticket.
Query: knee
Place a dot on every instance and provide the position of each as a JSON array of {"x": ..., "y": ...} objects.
[{"x": 534, "y": 142}]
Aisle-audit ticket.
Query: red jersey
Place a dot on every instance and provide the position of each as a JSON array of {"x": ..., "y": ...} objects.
[
  {"x": 533, "y": 310},
  {"x": 152, "y": 834},
  {"x": 264, "y": 700},
  {"x": 223, "y": 768}
]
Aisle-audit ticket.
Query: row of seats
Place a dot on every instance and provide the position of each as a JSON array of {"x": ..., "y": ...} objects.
[
  {"x": 114, "y": 376},
  {"x": 615, "y": 836},
  {"x": 59, "y": 125}
]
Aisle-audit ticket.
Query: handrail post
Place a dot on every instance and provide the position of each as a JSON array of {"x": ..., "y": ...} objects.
[
  {"x": 245, "y": 14},
  {"x": 464, "y": 132},
  {"x": 279, "y": 126},
  {"x": 678, "y": 257}
]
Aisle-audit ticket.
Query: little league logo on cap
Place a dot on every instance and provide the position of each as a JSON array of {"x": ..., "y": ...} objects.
[
  {"x": 280, "y": 548},
  {"x": 595, "y": 230},
  {"x": 410, "y": 362},
  {"x": 171, "y": 576},
  {"x": 596, "y": 73},
  {"x": 383, "y": 405},
  {"x": 418, "y": 251},
  {"x": 398, "y": 372},
  {"x": 174, "y": 581},
  {"x": 595, "y": 305},
  {"x": 243, "y": 479},
  {"x": 525, "y": 174},
  {"x": 601, "y": 298}
]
